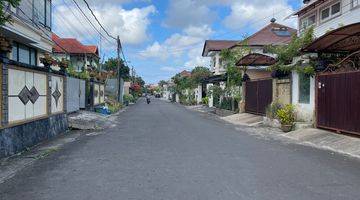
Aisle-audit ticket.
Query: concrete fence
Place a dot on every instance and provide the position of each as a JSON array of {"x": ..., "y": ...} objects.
[{"x": 32, "y": 106}]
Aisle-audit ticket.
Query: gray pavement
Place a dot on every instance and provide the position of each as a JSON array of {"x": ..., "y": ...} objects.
[{"x": 164, "y": 151}]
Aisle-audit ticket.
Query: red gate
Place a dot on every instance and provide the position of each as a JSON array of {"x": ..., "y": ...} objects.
[
  {"x": 338, "y": 102},
  {"x": 258, "y": 96}
]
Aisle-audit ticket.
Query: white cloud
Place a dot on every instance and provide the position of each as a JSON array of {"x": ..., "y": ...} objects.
[
  {"x": 168, "y": 69},
  {"x": 257, "y": 13},
  {"x": 131, "y": 25},
  {"x": 184, "y": 13},
  {"x": 177, "y": 44}
]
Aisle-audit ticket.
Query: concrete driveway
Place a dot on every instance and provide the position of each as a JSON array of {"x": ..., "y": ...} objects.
[{"x": 164, "y": 151}]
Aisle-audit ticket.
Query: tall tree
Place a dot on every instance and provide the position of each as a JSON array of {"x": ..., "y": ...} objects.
[
  {"x": 4, "y": 5},
  {"x": 162, "y": 83},
  {"x": 200, "y": 73},
  {"x": 111, "y": 65}
]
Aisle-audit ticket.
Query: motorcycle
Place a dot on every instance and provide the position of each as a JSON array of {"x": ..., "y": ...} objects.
[{"x": 148, "y": 100}]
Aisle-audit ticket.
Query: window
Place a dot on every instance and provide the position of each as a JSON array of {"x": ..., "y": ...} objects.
[
  {"x": 304, "y": 88},
  {"x": 355, "y": 3},
  {"x": 331, "y": 11},
  {"x": 24, "y": 54},
  {"x": 307, "y": 22},
  {"x": 325, "y": 14},
  {"x": 335, "y": 9},
  {"x": 37, "y": 10},
  {"x": 25, "y": 10},
  {"x": 48, "y": 13}
]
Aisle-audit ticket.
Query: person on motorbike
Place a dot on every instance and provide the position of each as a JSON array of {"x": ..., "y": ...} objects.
[{"x": 147, "y": 99}]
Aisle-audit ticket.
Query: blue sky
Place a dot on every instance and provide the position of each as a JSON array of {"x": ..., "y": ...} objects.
[{"x": 163, "y": 37}]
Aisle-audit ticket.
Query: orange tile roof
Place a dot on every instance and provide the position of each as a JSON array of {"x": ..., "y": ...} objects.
[{"x": 72, "y": 46}]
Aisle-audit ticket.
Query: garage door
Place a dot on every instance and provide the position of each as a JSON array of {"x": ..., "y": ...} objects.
[
  {"x": 258, "y": 96},
  {"x": 338, "y": 102}
]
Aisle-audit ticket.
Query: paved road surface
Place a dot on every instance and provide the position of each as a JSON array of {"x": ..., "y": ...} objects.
[{"x": 163, "y": 151}]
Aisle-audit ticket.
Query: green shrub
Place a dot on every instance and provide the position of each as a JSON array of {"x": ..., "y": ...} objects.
[
  {"x": 272, "y": 109},
  {"x": 286, "y": 115},
  {"x": 205, "y": 101},
  {"x": 129, "y": 98},
  {"x": 115, "y": 107}
]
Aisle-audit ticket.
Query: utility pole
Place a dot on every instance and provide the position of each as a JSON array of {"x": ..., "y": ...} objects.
[{"x": 119, "y": 89}]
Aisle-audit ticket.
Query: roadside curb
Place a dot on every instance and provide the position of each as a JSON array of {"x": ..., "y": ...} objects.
[
  {"x": 11, "y": 165},
  {"x": 316, "y": 138}
]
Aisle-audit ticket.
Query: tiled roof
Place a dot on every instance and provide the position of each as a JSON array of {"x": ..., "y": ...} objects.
[
  {"x": 185, "y": 73},
  {"x": 309, "y": 6},
  {"x": 72, "y": 46},
  {"x": 217, "y": 45},
  {"x": 272, "y": 34}
]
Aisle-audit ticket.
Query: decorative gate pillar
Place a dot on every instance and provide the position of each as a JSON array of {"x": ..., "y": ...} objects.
[{"x": 211, "y": 99}]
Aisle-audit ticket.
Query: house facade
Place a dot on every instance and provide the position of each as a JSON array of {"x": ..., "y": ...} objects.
[
  {"x": 212, "y": 49},
  {"x": 81, "y": 56},
  {"x": 327, "y": 15},
  {"x": 324, "y": 16},
  {"x": 32, "y": 95},
  {"x": 260, "y": 89}
]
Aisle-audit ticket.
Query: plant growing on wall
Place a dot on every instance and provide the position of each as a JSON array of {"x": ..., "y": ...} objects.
[
  {"x": 286, "y": 53},
  {"x": 4, "y": 6}
]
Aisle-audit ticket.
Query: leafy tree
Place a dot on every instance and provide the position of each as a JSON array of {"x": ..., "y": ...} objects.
[
  {"x": 111, "y": 65},
  {"x": 162, "y": 83},
  {"x": 3, "y": 7},
  {"x": 182, "y": 83},
  {"x": 139, "y": 81},
  {"x": 198, "y": 74}
]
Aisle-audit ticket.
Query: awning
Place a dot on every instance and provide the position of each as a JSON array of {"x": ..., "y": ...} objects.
[
  {"x": 216, "y": 79},
  {"x": 342, "y": 40},
  {"x": 256, "y": 59}
]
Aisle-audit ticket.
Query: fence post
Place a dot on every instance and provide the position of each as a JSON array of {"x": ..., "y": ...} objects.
[{"x": 4, "y": 92}]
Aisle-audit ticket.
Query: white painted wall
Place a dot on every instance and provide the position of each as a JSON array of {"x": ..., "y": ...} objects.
[
  {"x": 216, "y": 66},
  {"x": 18, "y": 111},
  {"x": 211, "y": 99},
  {"x": 305, "y": 112},
  {"x": 198, "y": 94}
]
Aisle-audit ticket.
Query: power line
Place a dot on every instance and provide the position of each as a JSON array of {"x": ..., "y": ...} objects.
[
  {"x": 102, "y": 27},
  {"x": 92, "y": 12},
  {"x": 87, "y": 18},
  {"x": 42, "y": 31}
]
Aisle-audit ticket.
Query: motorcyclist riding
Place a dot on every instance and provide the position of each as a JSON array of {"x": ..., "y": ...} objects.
[{"x": 147, "y": 99}]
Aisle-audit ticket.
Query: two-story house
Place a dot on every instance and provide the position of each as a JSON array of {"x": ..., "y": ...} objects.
[
  {"x": 258, "y": 90},
  {"x": 324, "y": 16},
  {"x": 212, "y": 49},
  {"x": 32, "y": 95},
  {"x": 30, "y": 31},
  {"x": 327, "y": 15},
  {"x": 81, "y": 56},
  {"x": 326, "y": 98}
]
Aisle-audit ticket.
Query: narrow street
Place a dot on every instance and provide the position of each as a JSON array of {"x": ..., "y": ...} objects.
[{"x": 164, "y": 151}]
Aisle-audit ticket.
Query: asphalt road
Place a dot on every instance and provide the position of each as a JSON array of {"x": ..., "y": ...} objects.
[{"x": 164, "y": 151}]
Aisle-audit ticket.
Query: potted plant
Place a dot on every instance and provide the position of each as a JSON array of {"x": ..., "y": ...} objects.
[
  {"x": 47, "y": 60},
  {"x": 245, "y": 77},
  {"x": 286, "y": 116},
  {"x": 5, "y": 45},
  {"x": 63, "y": 64}
]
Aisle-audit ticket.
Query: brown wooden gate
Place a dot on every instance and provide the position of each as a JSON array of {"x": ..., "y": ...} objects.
[
  {"x": 338, "y": 102},
  {"x": 258, "y": 96}
]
